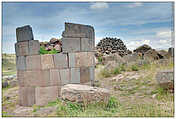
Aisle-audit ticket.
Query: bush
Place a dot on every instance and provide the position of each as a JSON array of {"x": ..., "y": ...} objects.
[
  {"x": 134, "y": 68},
  {"x": 100, "y": 59},
  {"x": 43, "y": 51},
  {"x": 116, "y": 71}
]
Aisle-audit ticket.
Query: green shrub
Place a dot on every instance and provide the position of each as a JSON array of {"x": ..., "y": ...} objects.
[
  {"x": 134, "y": 68},
  {"x": 43, "y": 51},
  {"x": 112, "y": 104},
  {"x": 100, "y": 59},
  {"x": 116, "y": 71}
]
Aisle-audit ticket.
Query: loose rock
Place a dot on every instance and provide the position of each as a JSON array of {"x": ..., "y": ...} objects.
[{"x": 84, "y": 93}]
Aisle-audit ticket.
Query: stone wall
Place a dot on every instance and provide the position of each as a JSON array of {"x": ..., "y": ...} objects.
[{"x": 41, "y": 76}]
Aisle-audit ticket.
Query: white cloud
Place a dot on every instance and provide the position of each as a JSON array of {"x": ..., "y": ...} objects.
[
  {"x": 136, "y": 4},
  {"x": 134, "y": 44},
  {"x": 164, "y": 34},
  {"x": 163, "y": 41},
  {"x": 99, "y": 5}
]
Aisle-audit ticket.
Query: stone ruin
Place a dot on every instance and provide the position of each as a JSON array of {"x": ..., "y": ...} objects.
[{"x": 41, "y": 76}]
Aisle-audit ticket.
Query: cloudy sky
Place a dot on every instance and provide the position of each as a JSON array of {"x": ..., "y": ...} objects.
[{"x": 134, "y": 23}]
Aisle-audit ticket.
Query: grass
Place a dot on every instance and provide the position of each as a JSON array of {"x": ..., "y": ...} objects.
[
  {"x": 96, "y": 109},
  {"x": 134, "y": 68}
]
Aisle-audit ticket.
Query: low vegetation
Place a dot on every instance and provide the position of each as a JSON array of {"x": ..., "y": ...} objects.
[{"x": 43, "y": 51}]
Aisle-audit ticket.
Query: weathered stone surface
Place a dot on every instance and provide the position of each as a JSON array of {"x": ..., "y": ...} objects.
[
  {"x": 24, "y": 33},
  {"x": 37, "y": 78},
  {"x": 84, "y": 93},
  {"x": 166, "y": 79},
  {"x": 43, "y": 95},
  {"x": 73, "y": 35},
  {"x": 87, "y": 44},
  {"x": 71, "y": 28},
  {"x": 84, "y": 75},
  {"x": 33, "y": 62},
  {"x": 131, "y": 57},
  {"x": 55, "y": 79},
  {"x": 47, "y": 61},
  {"x": 71, "y": 44},
  {"x": 60, "y": 61},
  {"x": 26, "y": 96},
  {"x": 21, "y": 77},
  {"x": 142, "y": 49},
  {"x": 75, "y": 75},
  {"x": 22, "y": 48},
  {"x": 92, "y": 73},
  {"x": 65, "y": 76},
  {"x": 21, "y": 63},
  {"x": 81, "y": 59},
  {"x": 34, "y": 47}
]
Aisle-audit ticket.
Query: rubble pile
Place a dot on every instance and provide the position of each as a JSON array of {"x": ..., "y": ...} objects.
[
  {"x": 52, "y": 44},
  {"x": 112, "y": 45}
]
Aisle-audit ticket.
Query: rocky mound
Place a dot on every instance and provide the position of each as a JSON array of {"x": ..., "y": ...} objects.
[
  {"x": 142, "y": 49},
  {"x": 112, "y": 45},
  {"x": 52, "y": 44}
]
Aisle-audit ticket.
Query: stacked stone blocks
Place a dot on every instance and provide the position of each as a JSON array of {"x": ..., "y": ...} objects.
[{"x": 41, "y": 76}]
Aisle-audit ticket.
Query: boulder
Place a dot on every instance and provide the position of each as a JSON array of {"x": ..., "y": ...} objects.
[
  {"x": 134, "y": 57},
  {"x": 84, "y": 93},
  {"x": 142, "y": 49},
  {"x": 112, "y": 57},
  {"x": 152, "y": 55},
  {"x": 164, "y": 54},
  {"x": 166, "y": 79}
]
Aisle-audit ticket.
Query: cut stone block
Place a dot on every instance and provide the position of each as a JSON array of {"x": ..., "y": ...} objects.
[
  {"x": 81, "y": 59},
  {"x": 73, "y": 35},
  {"x": 47, "y": 61},
  {"x": 43, "y": 95},
  {"x": 92, "y": 74},
  {"x": 84, "y": 75},
  {"x": 166, "y": 79},
  {"x": 21, "y": 77},
  {"x": 60, "y": 61},
  {"x": 86, "y": 44},
  {"x": 71, "y": 44},
  {"x": 55, "y": 79},
  {"x": 65, "y": 76},
  {"x": 71, "y": 28},
  {"x": 37, "y": 78},
  {"x": 26, "y": 96},
  {"x": 24, "y": 33},
  {"x": 21, "y": 63},
  {"x": 22, "y": 48},
  {"x": 34, "y": 47},
  {"x": 75, "y": 75},
  {"x": 33, "y": 62}
]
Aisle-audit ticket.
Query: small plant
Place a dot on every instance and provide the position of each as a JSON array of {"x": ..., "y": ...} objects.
[
  {"x": 35, "y": 108},
  {"x": 100, "y": 59},
  {"x": 116, "y": 71},
  {"x": 43, "y": 51},
  {"x": 134, "y": 68},
  {"x": 112, "y": 104}
]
